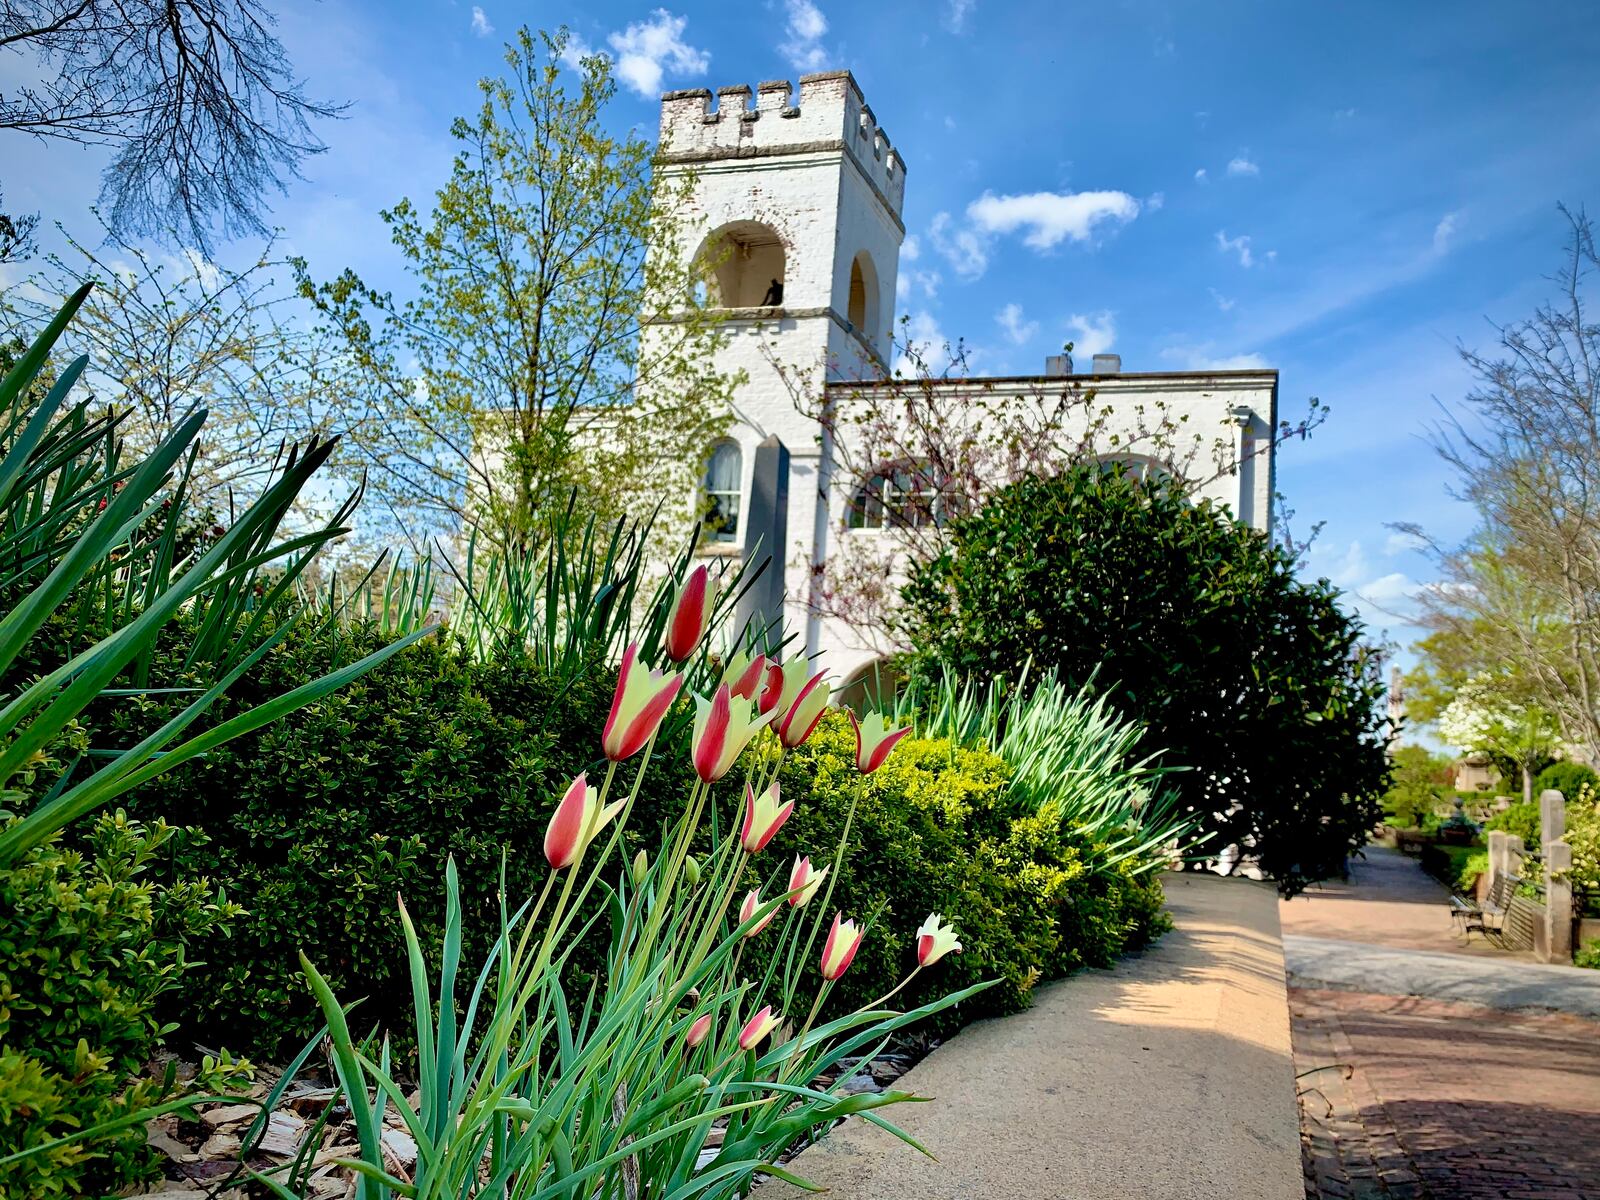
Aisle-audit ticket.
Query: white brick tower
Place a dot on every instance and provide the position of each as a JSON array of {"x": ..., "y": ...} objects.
[{"x": 800, "y": 205}]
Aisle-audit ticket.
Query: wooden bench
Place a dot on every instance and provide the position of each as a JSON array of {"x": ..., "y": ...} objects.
[{"x": 1487, "y": 917}]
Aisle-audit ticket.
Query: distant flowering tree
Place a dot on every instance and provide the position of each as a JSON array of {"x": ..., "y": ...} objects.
[{"x": 1483, "y": 718}]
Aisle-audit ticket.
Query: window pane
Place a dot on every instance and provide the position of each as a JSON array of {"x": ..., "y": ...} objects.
[{"x": 722, "y": 472}]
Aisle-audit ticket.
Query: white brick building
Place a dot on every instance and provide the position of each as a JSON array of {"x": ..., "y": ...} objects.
[{"x": 802, "y": 194}]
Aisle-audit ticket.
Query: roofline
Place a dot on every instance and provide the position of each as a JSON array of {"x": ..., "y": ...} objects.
[{"x": 1261, "y": 373}]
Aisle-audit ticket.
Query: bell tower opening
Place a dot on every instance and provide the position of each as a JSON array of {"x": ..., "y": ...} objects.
[
  {"x": 743, "y": 264},
  {"x": 862, "y": 303}
]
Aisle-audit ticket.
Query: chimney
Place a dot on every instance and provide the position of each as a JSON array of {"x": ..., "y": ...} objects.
[
  {"x": 1107, "y": 364},
  {"x": 1057, "y": 366}
]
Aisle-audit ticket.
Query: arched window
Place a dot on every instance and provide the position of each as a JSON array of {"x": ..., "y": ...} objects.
[
  {"x": 724, "y": 472},
  {"x": 862, "y": 305},
  {"x": 743, "y": 266},
  {"x": 1138, "y": 467},
  {"x": 901, "y": 496}
]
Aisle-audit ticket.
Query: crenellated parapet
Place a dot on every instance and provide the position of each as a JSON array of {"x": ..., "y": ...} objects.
[{"x": 828, "y": 114}]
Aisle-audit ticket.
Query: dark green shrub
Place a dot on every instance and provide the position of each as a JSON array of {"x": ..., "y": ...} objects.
[
  {"x": 1522, "y": 819},
  {"x": 1193, "y": 624},
  {"x": 90, "y": 942},
  {"x": 1567, "y": 778},
  {"x": 321, "y": 819}
]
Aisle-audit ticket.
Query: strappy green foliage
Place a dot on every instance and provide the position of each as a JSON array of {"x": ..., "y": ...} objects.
[{"x": 79, "y": 524}]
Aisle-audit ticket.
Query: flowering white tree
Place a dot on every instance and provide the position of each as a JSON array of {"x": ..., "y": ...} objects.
[{"x": 1483, "y": 718}]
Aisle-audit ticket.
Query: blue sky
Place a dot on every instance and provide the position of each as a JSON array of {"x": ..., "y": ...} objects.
[{"x": 1342, "y": 192}]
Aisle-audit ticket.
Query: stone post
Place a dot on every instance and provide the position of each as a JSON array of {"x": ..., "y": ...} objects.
[
  {"x": 1503, "y": 848},
  {"x": 1557, "y": 941},
  {"x": 766, "y": 524}
]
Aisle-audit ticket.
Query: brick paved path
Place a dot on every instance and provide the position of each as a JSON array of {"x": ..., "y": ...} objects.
[
  {"x": 1410, "y": 1098},
  {"x": 1444, "y": 1101}
]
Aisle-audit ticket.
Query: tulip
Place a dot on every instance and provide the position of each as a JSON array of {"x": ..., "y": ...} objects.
[
  {"x": 691, "y": 614},
  {"x": 697, "y": 1032},
  {"x": 874, "y": 740},
  {"x": 578, "y": 817},
  {"x": 691, "y": 872},
  {"x": 935, "y": 939},
  {"x": 806, "y": 879},
  {"x": 744, "y": 674},
  {"x": 641, "y": 867},
  {"x": 795, "y": 673},
  {"x": 763, "y": 817},
  {"x": 800, "y": 718},
  {"x": 763, "y": 1023},
  {"x": 844, "y": 939},
  {"x": 751, "y": 906},
  {"x": 723, "y": 727},
  {"x": 637, "y": 707}
]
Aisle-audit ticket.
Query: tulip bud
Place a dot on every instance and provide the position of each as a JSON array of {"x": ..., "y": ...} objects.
[
  {"x": 757, "y": 1027},
  {"x": 697, "y": 1032},
  {"x": 795, "y": 674},
  {"x": 637, "y": 707},
  {"x": 934, "y": 940},
  {"x": 691, "y": 871},
  {"x": 763, "y": 817},
  {"x": 641, "y": 867},
  {"x": 874, "y": 740},
  {"x": 806, "y": 879},
  {"x": 751, "y": 906},
  {"x": 844, "y": 939},
  {"x": 690, "y": 614}
]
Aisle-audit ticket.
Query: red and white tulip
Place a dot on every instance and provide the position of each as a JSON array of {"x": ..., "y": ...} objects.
[
  {"x": 697, "y": 1032},
  {"x": 578, "y": 817},
  {"x": 799, "y": 719},
  {"x": 874, "y": 740},
  {"x": 691, "y": 614},
  {"x": 723, "y": 727},
  {"x": 757, "y": 1028},
  {"x": 763, "y": 817},
  {"x": 844, "y": 939},
  {"x": 637, "y": 707},
  {"x": 807, "y": 879},
  {"x": 750, "y": 907},
  {"x": 935, "y": 939}
]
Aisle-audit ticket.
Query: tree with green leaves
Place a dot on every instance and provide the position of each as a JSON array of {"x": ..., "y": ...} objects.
[
  {"x": 1256, "y": 681},
  {"x": 514, "y": 371}
]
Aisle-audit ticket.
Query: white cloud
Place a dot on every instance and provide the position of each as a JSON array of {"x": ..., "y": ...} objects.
[
  {"x": 1444, "y": 231},
  {"x": 1017, "y": 330},
  {"x": 912, "y": 281},
  {"x": 1222, "y": 301},
  {"x": 1200, "y": 176},
  {"x": 1241, "y": 246},
  {"x": 956, "y": 13},
  {"x": 1093, "y": 334},
  {"x": 1155, "y": 202},
  {"x": 805, "y": 29},
  {"x": 645, "y": 51},
  {"x": 1400, "y": 543},
  {"x": 480, "y": 22},
  {"x": 1051, "y": 217},
  {"x": 1240, "y": 164},
  {"x": 911, "y": 248},
  {"x": 965, "y": 250},
  {"x": 1344, "y": 114},
  {"x": 1203, "y": 358}
]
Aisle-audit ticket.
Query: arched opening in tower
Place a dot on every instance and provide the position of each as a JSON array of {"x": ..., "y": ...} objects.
[{"x": 742, "y": 264}]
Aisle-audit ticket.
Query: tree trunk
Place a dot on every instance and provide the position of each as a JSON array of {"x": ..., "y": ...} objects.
[{"x": 1527, "y": 785}]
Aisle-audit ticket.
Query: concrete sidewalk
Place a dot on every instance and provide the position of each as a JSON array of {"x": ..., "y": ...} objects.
[
  {"x": 1169, "y": 1076},
  {"x": 1511, "y": 985}
]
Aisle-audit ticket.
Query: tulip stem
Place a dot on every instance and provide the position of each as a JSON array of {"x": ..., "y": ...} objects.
[{"x": 889, "y": 995}]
